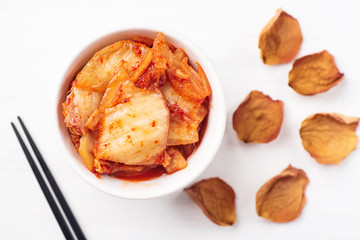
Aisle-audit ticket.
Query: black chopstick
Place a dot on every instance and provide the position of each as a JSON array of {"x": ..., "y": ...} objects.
[
  {"x": 59, "y": 217},
  {"x": 70, "y": 216},
  {"x": 65, "y": 229}
]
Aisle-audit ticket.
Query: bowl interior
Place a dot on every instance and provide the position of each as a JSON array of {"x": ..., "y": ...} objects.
[{"x": 167, "y": 183}]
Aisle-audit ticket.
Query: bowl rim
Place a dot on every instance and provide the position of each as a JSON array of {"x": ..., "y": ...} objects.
[{"x": 210, "y": 153}]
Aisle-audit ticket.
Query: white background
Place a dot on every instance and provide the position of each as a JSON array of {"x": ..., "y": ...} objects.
[{"x": 36, "y": 39}]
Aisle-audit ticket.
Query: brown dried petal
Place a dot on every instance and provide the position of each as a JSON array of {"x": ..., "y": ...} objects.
[
  {"x": 282, "y": 198},
  {"x": 258, "y": 119},
  {"x": 216, "y": 198},
  {"x": 280, "y": 40},
  {"x": 314, "y": 73},
  {"x": 329, "y": 137}
]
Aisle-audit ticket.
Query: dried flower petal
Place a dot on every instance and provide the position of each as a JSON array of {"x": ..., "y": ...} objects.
[
  {"x": 329, "y": 137},
  {"x": 314, "y": 74},
  {"x": 282, "y": 198},
  {"x": 258, "y": 119},
  {"x": 280, "y": 40},
  {"x": 216, "y": 198}
]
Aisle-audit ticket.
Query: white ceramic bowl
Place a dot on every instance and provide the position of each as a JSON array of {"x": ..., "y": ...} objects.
[{"x": 165, "y": 184}]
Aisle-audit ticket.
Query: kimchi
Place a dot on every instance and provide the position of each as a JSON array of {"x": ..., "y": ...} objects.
[{"x": 137, "y": 109}]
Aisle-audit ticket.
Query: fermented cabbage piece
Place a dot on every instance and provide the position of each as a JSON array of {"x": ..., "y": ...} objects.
[
  {"x": 185, "y": 92},
  {"x": 86, "y": 150},
  {"x": 135, "y": 131},
  {"x": 111, "y": 98},
  {"x": 102, "y": 67},
  {"x": 78, "y": 107},
  {"x": 185, "y": 117},
  {"x": 144, "y": 40},
  {"x": 282, "y": 198},
  {"x": 180, "y": 54},
  {"x": 176, "y": 160},
  {"x": 160, "y": 46},
  {"x": 314, "y": 74},
  {"x": 216, "y": 198},
  {"x": 329, "y": 137},
  {"x": 75, "y": 139},
  {"x": 189, "y": 83},
  {"x": 150, "y": 66},
  {"x": 258, "y": 118},
  {"x": 154, "y": 76},
  {"x": 120, "y": 169},
  {"x": 280, "y": 40}
]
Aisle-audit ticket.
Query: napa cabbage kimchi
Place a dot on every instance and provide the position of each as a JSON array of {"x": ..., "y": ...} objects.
[{"x": 137, "y": 109}]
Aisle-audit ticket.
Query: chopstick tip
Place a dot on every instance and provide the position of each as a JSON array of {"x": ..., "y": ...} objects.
[{"x": 14, "y": 127}]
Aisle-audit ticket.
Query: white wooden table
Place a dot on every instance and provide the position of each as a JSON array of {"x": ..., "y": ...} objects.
[{"x": 37, "y": 37}]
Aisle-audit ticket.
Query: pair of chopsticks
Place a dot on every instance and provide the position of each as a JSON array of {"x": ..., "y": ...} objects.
[{"x": 49, "y": 197}]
